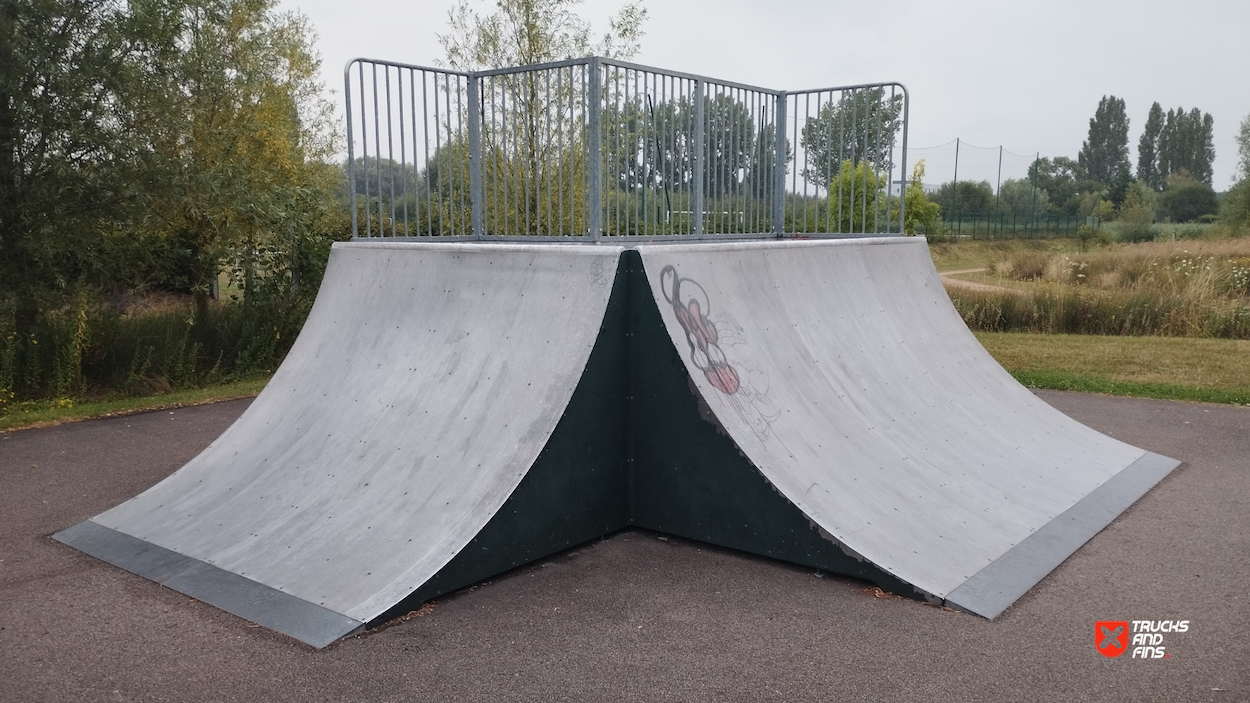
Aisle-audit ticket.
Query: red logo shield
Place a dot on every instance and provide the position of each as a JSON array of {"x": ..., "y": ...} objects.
[{"x": 1111, "y": 636}]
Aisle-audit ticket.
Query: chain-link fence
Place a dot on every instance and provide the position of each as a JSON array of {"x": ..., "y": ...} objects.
[{"x": 989, "y": 191}]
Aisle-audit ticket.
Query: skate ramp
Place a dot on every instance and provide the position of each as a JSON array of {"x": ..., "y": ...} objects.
[
  {"x": 842, "y": 372},
  {"x": 423, "y": 387},
  {"x": 452, "y": 411}
]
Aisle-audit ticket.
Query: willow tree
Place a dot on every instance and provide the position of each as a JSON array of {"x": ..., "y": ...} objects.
[
  {"x": 72, "y": 146},
  {"x": 241, "y": 135}
]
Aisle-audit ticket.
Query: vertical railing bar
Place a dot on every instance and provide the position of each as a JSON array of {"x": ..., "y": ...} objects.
[
  {"x": 390, "y": 146},
  {"x": 530, "y": 155},
  {"x": 465, "y": 224},
  {"x": 715, "y": 154},
  {"x": 377, "y": 133},
  {"x": 902, "y": 206},
  {"x": 814, "y": 213},
  {"x": 438, "y": 148},
  {"x": 425, "y": 144},
  {"x": 595, "y": 103},
  {"x": 564, "y": 151},
  {"x": 378, "y": 148},
  {"x": 856, "y": 159},
  {"x": 491, "y": 134},
  {"x": 416, "y": 196},
  {"x": 699, "y": 156},
  {"x": 794, "y": 180},
  {"x": 403, "y": 147},
  {"x": 872, "y": 130},
  {"x": 351, "y": 152},
  {"x": 611, "y": 100},
  {"x": 622, "y": 174},
  {"x": 890, "y": 174},
  {"x": 779, "y": 164},
  {"x": 505, "y": 188},
  {"x": 544, "y": 199},
  {"x": 498, "y": 160},
  {"x": 842, "y": 144},
  {"x": 477, "y": 229}
]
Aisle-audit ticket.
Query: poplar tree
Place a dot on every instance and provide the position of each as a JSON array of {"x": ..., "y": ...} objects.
[
  {"x": 1187, "y": 142},
  {"x": 1104, "y": 155},
  {"x": 1148, "y": 150}
]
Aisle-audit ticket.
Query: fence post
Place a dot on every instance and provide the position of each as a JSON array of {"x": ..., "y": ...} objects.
[
  {"x": 959, "y": 209},
  {"x": 779, "y": 169},
  {"x": 351, "y": 150},
  {"x": 696, "y": 209},
  {"x": 594, "y": 109},
  {"x": 478, "y": 230},
  {"x": 902, "y": 199}
]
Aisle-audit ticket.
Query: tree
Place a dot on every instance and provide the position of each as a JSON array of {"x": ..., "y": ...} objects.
[
  {"x": 729, "y": 136},
  {"x": 1138, "y": 212},
  {"x": 1187, "y": 142},
  {"x": 536, "y": 136},
  {"x": 1018, "y": 196},
  {"x": 240, "y": 134},
  {"x": 861, "y": 126},
  {"x": 1243, "y": 148},
  {"x": 525, "y": 32},
  {"x": 71, "y": 146},
  {"x": 1104, "y": 155},
  {"x": 762, "y": 169},
  {"x": 857, "y": 198},
  {"x": 920, "y": 211},
  {"x": 1148, "y": 149},
  {"x": 965, "y": 198},
  {"x": 1235, "y": 208},
  {"x": 1064, "y": 179},
  {"x": 1187, "y": 198}
]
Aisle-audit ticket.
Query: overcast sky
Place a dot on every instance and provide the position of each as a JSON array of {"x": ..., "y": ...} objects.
[{"x": 1024, "y": 75}]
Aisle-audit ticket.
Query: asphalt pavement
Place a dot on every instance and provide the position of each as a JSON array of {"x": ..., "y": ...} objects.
[{"x": 639, "y": 616}]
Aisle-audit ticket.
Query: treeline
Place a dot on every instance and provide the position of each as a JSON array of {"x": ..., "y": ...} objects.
[
  {"x": 157, "y": 145},
  {"x": 1172, "y": 182}
]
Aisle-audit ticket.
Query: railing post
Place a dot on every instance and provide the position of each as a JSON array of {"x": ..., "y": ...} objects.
[
  {"x": 475, "y": 157},
  {"x": 351, "y": 151},
  {"x": 779, "y": 168},
  {"x": 696, "y": 209},
  {"x": 594, "y": 107},
  {"x": 902, "y": 194}
]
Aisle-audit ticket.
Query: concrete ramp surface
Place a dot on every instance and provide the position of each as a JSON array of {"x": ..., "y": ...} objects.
[
  {"x": 844, "y": 374},
  {"x": 451, "y": 411},
  {"x": 425, "y": 383}
]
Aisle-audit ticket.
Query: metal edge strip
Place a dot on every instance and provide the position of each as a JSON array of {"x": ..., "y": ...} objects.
[
  {"x": 251, "y": 600},
  {"x": 993, "y": 589}
]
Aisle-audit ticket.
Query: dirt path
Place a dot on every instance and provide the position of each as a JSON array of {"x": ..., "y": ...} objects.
[{"x": 948, "y": 278}]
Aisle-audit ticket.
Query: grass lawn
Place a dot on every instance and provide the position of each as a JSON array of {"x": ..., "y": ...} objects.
[
  {"x": 1177, "y": 368},
  {"x": 44, "y": 413}
]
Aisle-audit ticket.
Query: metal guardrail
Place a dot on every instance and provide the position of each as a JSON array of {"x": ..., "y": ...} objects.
[{"x": 595, "y": 148}]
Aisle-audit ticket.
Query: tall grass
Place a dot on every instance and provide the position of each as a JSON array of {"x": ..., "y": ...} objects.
[
  {"x": 1195, "y": 288},
  {"x": 1068, "y": 310},
  {"x": 95, "y": 350}
]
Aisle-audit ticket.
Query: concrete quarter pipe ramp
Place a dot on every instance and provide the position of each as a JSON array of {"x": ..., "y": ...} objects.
[
  {"x": 843, "y": 373},
  {"x": 451, "y": 411},
  {"x": 424, "y": 385}
]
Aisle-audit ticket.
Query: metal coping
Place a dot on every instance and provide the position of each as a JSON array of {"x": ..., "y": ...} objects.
[
  {"x": 991, "y": 590},
  {"x": 238, "y": 595}
]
